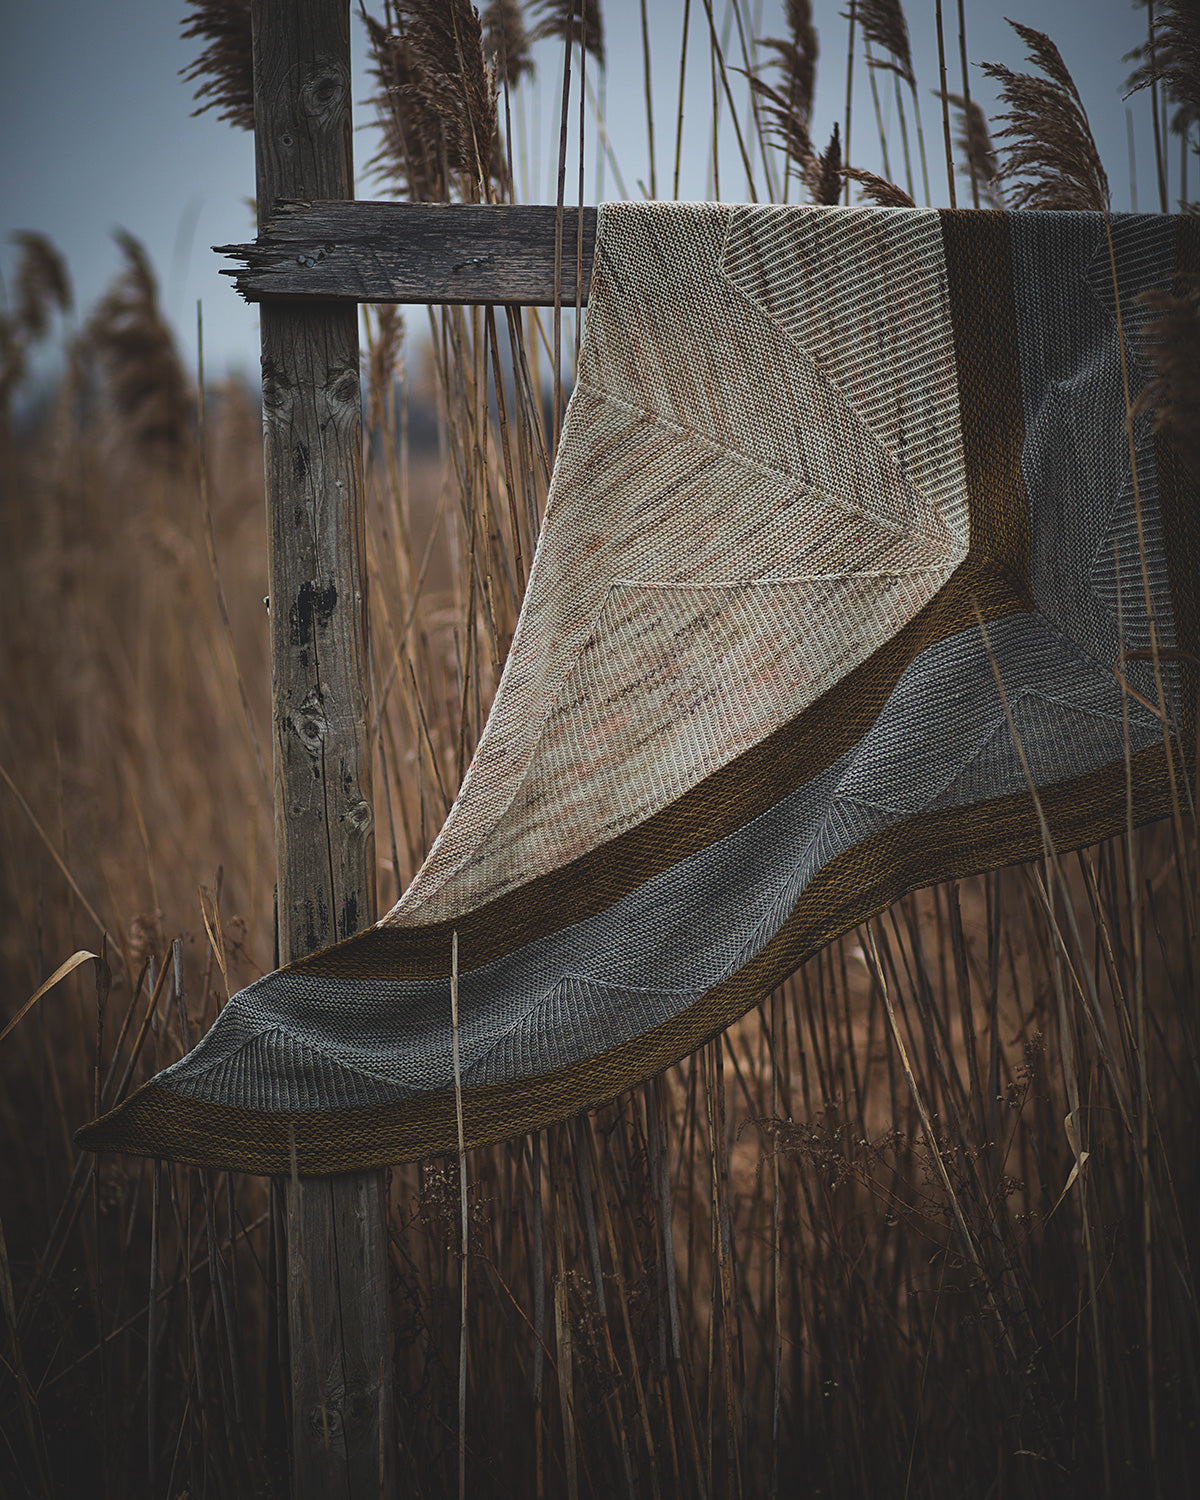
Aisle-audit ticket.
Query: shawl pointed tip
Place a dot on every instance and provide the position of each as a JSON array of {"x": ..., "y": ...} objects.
[{"x": 131, "y": 1128}]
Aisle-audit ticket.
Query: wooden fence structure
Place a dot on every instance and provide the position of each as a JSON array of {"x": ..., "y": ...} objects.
[{"x": 317, "y": 256}]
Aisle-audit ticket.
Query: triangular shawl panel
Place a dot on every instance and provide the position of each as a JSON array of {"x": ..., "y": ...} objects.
[{"x": 842, "y": 551}]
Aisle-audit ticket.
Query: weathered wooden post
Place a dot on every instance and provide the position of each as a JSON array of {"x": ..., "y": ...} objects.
[{"x": 342, "y": 1425}]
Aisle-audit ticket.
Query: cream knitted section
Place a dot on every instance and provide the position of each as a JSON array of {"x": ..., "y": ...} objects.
[{"x": 760, "y": 480}]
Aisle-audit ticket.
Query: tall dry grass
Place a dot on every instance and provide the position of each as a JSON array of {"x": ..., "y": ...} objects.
[{"x": 924, "y": 1224}]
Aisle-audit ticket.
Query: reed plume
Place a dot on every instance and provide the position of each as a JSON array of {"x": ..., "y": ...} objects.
[
  {"x": 1052, "y": 161},
  {"x": 1172, "y": 342},
  {"x": 581, "y": 19},
  {"x": 410, "y": 155},
  {"x": 877, "y": 190},
  {"x": 975, "y": 147},
  {"x": 884, "y": 26},
  {"x": 787, "y": 104},
  {"x": 1172, "y": 60},
  {"x": 885, "y": 32},
  {"x": 42, "y": 286},
  {"x": 506, "y": 39},
  {"x": 822, "y": 174},
  {"x": 130, "y": 339},
  {"x": 225, "y": 69},
  {"x": 436, "y": 97},
  {"x": 446, "y": 49}
]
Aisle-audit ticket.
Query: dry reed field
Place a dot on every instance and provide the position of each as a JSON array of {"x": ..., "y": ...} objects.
[{"x": 924, "y": 1224}]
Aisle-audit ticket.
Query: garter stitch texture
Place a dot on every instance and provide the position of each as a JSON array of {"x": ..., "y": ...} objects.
[{"x": 824, "y": 475}]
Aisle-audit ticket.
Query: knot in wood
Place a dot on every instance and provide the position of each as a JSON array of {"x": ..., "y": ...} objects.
[
  {"x": 341, "y": 386},
  {"x": 309, "y": 722},
  {"x": 327, "y": 1418},
  {"x": 325, "y": 92},
  {"x": 276, "y": 390},
  {"x": 359, "y": 818},
  {"x": 361, "y": 1408}
]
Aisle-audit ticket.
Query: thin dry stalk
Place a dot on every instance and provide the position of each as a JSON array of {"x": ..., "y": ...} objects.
[
  {"x": 506, "y": 39},
  {"x": 577, "y": 21},
  {"x": 465, "y": 1241},
  {"x": 718, "y": 56},
  {"x": 683, "y": 54},
  {"x": 942, "y": 87},
  {"x": 16, "y": 1363},
  {"x": 853, "y": 18},
  {"x": 582, "y": 148},
  {"x": 885, "y": 28},
  {"x": 622, "y": 1290},
  {"x": 565, "y": 1361},
  {"x": 211, "y": 549},
  {"x": 787, "y": 103},
  {"x": 1170, "y": 59},
  {"x": 748, "y": 69},
  {"x": 975, "y": 147},
  {"x": 568, "y": 31},
  {"x": 972, "y": 162},
  {"x": 538, "y": 1264},
  {"x": 648, "y": 92}
]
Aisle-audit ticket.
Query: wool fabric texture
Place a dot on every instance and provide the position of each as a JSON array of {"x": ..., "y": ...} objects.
[{"x": 844, "y": 566}]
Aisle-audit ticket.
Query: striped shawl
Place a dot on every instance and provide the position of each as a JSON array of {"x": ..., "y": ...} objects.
[{"x": 847, "y": 553}]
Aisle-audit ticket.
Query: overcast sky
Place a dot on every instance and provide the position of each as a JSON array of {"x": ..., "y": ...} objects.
[{"x": 97, "y": 129}]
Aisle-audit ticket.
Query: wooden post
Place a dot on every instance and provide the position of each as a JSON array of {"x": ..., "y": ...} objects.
[{"x": 340, "y": 1349}]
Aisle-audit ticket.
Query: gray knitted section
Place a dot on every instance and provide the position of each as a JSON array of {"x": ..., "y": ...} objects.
[
  {"x": 274, "y": 1069},
  {"x": 635, "y": 964},
  {"x": 942, "y": 740},
  {"x": 578, "y": 1018}
]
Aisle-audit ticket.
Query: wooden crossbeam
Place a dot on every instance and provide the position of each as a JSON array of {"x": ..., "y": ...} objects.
[{"x": 418, "y": 252}]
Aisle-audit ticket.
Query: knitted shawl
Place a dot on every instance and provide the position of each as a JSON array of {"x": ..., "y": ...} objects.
[{"x": 848, "y": 559}]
